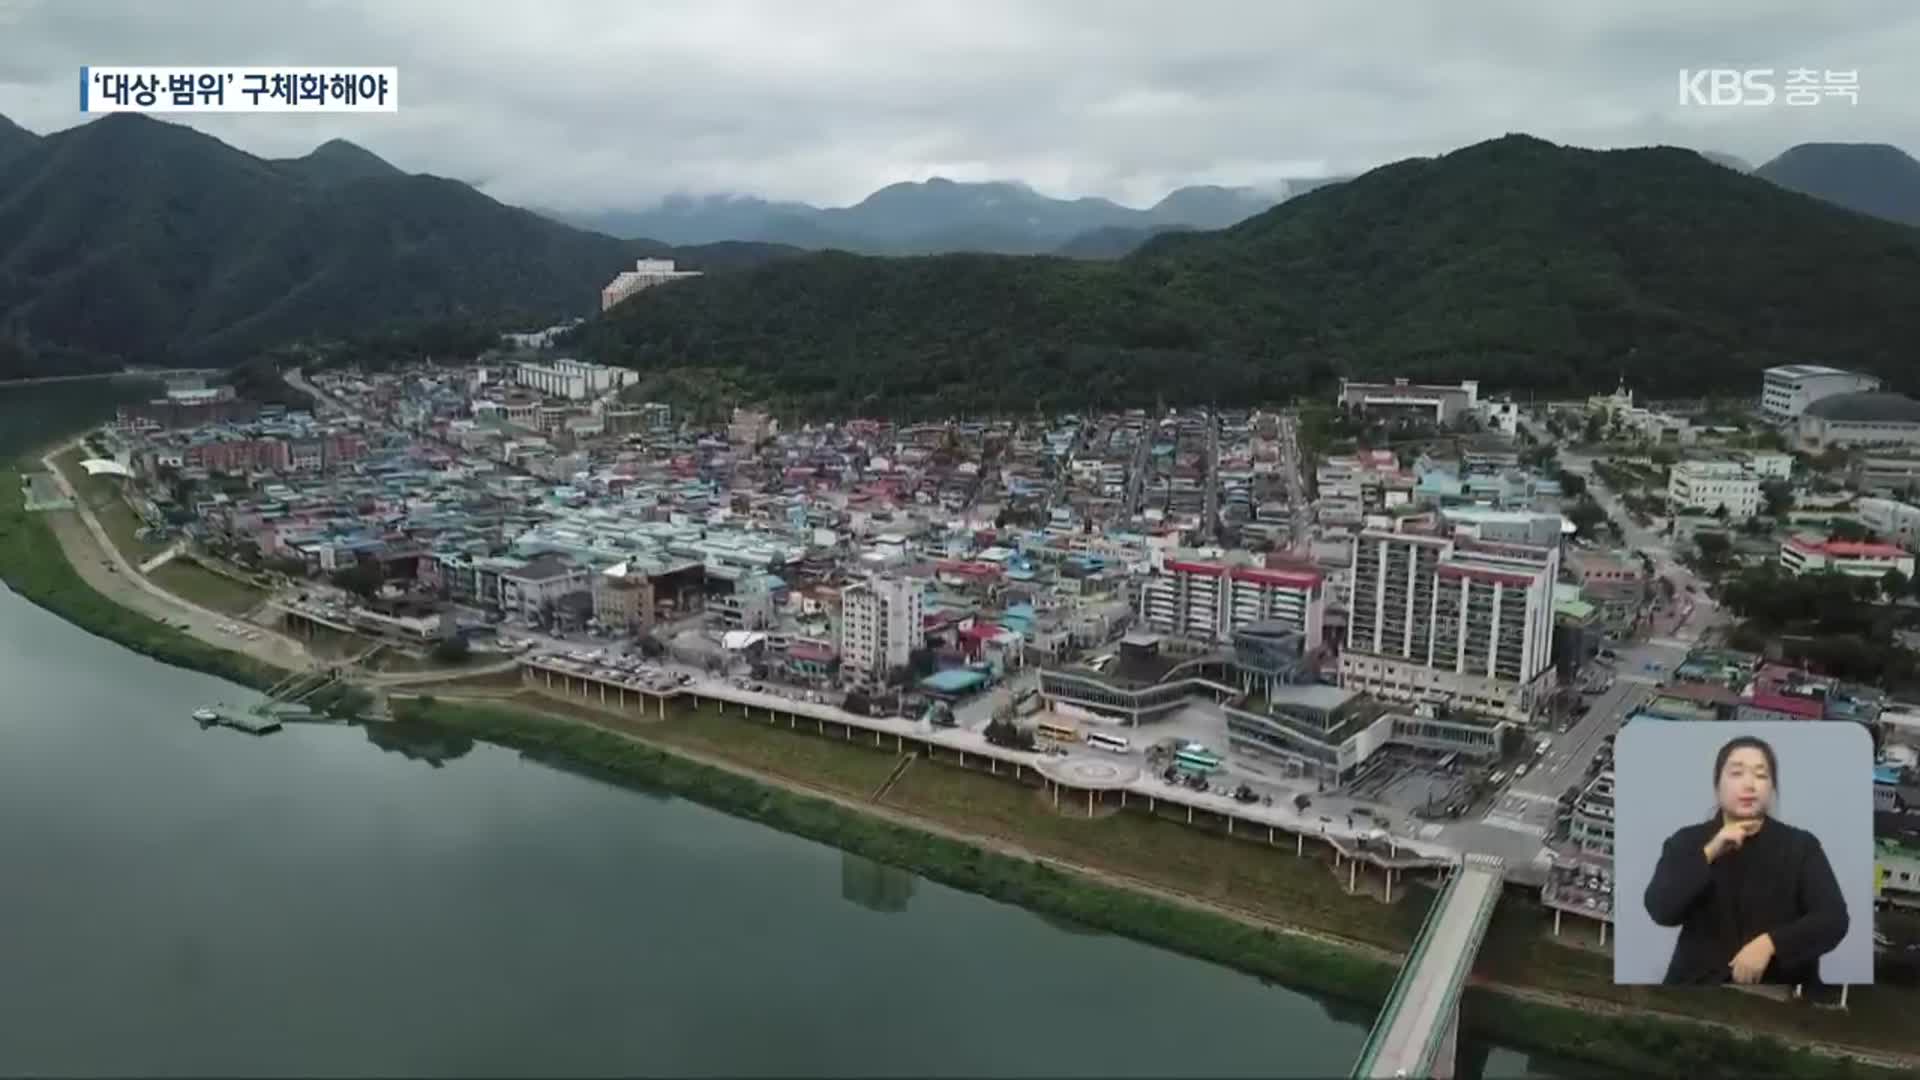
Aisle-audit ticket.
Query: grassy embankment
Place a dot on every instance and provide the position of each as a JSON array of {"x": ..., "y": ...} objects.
[
  {"x": 182, "y": 576},
  {"x": 1237, "y": 874},
  {"x": 33, "y": 565}
]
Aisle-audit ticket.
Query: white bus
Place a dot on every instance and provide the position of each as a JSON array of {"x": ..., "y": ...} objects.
[{"x": 1100, "y": 740}]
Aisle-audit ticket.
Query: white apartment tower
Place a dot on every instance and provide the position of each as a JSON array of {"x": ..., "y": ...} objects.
[
  {"x": 1209, "y": 601},
  {"x": 1452, "y": 620},
  {"x": 646, "y": 273},
  {"x": 881, "y": 624}
]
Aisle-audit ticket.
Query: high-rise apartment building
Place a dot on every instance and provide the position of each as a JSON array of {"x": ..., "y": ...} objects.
[
  {"x": 1452, "y": 620},
  {"x": 1203, "y": 601},
  {"x": 881, "y": 624}
]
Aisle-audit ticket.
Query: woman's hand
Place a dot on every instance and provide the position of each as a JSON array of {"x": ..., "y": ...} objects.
[
  {"x": 1730, "y": 837},
  {"x": 1750, "y": 963}
]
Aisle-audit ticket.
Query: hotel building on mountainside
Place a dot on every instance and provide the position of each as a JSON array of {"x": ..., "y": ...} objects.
[
  {"x": 646, "y": 273},
  {"x": 1452, "y": 621}
]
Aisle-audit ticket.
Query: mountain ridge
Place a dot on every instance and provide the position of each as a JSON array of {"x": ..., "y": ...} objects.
[
  {"x": 932, "y": 216},
  {"x": 1877, "y": 179},
  {"x": 1514, "y": 261},
  {"x": 216, "y": 253}
]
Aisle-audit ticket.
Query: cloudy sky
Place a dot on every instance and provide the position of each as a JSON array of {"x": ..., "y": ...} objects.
[{"x": 582, "y": 104}]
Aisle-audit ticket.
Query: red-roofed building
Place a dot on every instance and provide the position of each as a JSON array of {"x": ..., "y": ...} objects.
[
  {"x": 1811, "y": 555},
  {"x": 1204, "y": 601},
  {"x": 1771, "y": 706}
]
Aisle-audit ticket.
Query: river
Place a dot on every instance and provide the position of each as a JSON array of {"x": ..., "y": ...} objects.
[{"x": 183, "y": 901}]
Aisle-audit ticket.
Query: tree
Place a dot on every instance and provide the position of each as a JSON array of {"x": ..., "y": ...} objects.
[
  {"x": 1715, "y": 550},
  {"x": 1893, "y": 584},
  {"x": 1779, "y": 498},
  {"x": 1720, "y": 512},
  {"x": 1596, "y": 429},
  {"x": 452, "y": 649},
  {"x": 1587, "y": 516},
  {"x": 1842, "y": 529},
  {"x": 920, "y": 663},
  {"x": 1572, "y": 485}
]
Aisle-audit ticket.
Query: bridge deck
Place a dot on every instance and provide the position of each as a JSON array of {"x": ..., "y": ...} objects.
[{"x": 1419, "y": 1012}]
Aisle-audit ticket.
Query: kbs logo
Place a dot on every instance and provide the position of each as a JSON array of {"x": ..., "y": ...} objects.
[{"x": 1756, "y": 87}]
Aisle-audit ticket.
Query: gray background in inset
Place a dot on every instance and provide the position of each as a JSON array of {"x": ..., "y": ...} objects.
[{"x": 1663, "y": 780}]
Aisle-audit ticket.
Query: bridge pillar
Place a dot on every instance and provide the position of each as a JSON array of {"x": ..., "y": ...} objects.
[{"x": 1443, "y": 1059}]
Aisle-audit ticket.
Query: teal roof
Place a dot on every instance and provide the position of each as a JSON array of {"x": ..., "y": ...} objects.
[{"x": 954, "y": 680}]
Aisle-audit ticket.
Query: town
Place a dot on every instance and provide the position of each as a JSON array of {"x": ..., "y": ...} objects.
[{"x": 1407, "y": 622}]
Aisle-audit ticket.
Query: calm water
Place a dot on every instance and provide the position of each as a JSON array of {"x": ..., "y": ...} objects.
[{"x": 184, "y": 901}]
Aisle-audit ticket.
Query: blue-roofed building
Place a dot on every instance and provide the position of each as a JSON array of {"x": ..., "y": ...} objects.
[{"x": 955, "y": 682}]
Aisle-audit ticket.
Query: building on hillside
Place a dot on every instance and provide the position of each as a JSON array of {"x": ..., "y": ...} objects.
[
  {"x": 1887, "y": 474},
  {"x": 646, "y": 274},
  {"x": 1868, "y": 419},
  {"x": 882, "y": 623},
  {"x": 1786, "y": 391},
  {"x": 575, "y": 380},
  {"x": 1440, "y": 404},
  {"x": 1812, "y": 555},
  {"x": 1891, "y": 518},
  {"x": 1208, "y": 602},
  {"x": 751, "y": 427},
  {"x": 1704, "y": 487},
  {"x": 1452, "y": 621}
]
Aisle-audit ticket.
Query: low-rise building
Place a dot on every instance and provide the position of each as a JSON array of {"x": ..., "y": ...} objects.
[
  {"x": 1868, "y": 419},
  {"x": 1441, "y": 404},
  {"x": 1707, "y": 487},
  {"x": 1812, "y": 555},
  {"x": 1787, "y": 391}
]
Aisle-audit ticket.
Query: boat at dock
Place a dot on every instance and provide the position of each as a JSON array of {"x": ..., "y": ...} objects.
[{"x": 253, "y": 723}]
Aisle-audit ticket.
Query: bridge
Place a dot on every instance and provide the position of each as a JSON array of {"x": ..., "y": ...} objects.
[{"x": 1418, "y": 1027}]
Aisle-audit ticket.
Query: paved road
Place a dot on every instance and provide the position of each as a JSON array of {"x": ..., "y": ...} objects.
[
  {"x": 1301, "y": 534},
  {"x": 1210, "y": 507},
  {"x": 89, "y": 549}
]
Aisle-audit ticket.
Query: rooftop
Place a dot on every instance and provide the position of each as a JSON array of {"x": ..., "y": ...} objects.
[
  {"x": 1804, "y": 371},
  {"x": 1867, "y": 407}
]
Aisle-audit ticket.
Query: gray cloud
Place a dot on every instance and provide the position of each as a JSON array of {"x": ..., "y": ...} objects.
[{"x": 611, "y": 103}]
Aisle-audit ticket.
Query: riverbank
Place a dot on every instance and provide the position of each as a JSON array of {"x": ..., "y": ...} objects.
[
  {"x": 1651, "y": 1045},
  {"x": 35, "y": 563}
]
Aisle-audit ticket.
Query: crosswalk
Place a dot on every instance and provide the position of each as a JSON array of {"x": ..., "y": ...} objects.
[{"x": 1502, "y": 821}]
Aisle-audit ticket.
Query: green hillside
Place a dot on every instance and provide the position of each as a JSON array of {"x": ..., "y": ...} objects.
[
  {"x": 128, "y": 240},
  {"x": 1514, "y": 261}
]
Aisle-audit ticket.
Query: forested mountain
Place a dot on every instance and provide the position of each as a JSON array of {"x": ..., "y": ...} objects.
[
  {"x": 1872, "y": 178},
  {"x": 129, "y": 240},
  {"x": 936, "y": 216},
  {"x": 1513, "y": 261}
]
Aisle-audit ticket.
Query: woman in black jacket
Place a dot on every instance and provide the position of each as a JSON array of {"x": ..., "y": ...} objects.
[{"x": 1755, "y": 898}]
